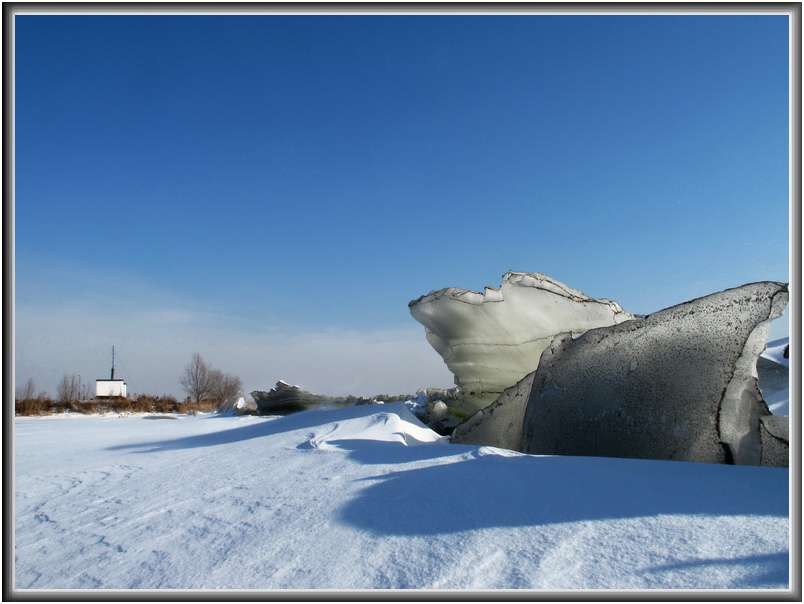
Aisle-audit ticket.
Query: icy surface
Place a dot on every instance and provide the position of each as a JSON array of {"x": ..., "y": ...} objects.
[
  {"x": 777, "y": 350},
  {"x": 366, "y": 497},
  {"x": 501, "y": 423},
  {"x": 235, "y": 404},
  {"x": 680, "y": 384},
  {"x": 491, "y": 341},
  {"x": 775, "y": 434},
  {"x": 779, "y": 402},
  {"x": 774, "y": 376},
  {"x": 676, "y": 385}
]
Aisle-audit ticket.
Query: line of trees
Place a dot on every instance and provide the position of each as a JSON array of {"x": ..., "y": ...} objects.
[
  {"x": 27, "y": 391},
  {"x": 201, "y": 381},
  {"x": 68, "y": 389}
]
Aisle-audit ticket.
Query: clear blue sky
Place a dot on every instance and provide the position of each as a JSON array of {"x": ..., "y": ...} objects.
[{"x": 259, "y": 187}]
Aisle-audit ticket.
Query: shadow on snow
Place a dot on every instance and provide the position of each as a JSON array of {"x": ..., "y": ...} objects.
[
  {"x": 483, "y": 489},
  {"x": 760, "y": 570},
  {"x": 267, "y": 426}
]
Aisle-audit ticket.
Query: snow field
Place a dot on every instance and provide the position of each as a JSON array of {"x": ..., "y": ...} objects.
[{"x": 368, "y": 498}]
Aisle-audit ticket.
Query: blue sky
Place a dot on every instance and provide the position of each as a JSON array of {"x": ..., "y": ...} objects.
[{"x": 272, "y": 190}]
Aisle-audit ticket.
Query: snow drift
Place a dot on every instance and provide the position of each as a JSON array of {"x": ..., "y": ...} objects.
[{"x": 366, "y": 497}]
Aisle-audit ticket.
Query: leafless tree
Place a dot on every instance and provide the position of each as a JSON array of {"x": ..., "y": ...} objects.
[
  {"x": 86, "y": 391},
  {"x": 201, "y": 381},
  {"x": 67, "y": 390},
  {"x": 26, "y": 392},
  {"x": 196, "y": 379},
  {"x": 224, "y": 385}
]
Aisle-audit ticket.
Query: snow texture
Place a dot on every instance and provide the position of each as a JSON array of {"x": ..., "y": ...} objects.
[
  {"x": 491, "y": 341},
  {"x": 366, "y": 497}
]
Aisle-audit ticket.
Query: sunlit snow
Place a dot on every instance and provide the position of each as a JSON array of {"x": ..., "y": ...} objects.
[{"x": 367, "y": 497}]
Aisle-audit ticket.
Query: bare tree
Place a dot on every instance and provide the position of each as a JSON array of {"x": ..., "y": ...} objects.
[
  {"x": 215, "y": 382},
  {"x": 86, "y": 391},
  {"x": 67, "y": 390},
  {"x": 224, "y": 385},
  {"x": 26, "y": 392},
  {"x": 196, "y": 379}
]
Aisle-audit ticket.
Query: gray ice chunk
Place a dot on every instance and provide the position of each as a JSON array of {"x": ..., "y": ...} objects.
[{"x": 680, "y": 384}]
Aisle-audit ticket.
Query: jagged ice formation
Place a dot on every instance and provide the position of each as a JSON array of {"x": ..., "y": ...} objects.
[
  {"x": 680, "y": 384},
  {"x": 490, "y": 341}
]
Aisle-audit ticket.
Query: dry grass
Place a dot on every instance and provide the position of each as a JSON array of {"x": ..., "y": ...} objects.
[
  {"x": 141, "y": 404},
  {"x": 154, "y": 404},
  {"x": 32, "y": 406},
  {"x": 199, "y": 407}
]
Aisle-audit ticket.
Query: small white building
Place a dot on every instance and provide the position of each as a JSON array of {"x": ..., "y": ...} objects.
[{"x": 110, "y": 388}]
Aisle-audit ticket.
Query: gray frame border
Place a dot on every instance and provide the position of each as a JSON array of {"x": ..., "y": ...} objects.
[{"x": 792, "y": 9}]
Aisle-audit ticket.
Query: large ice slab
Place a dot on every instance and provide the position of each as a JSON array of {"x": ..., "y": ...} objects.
[
  {"x": 774, "y": 433},
  {"x": 237, "y": 404},
  {"x": 499, "y": 424},
  {"x": 680, "y": 384},
  {"x": 490, "y": 341}
]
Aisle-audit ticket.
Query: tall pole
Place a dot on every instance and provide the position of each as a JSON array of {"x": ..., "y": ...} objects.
[{"x": 112, "y": 362}]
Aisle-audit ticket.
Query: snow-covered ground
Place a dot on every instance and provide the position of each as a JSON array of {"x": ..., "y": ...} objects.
[{"x": 368, "y": 498}]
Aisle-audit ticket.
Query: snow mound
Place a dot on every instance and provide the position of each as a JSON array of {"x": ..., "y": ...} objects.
[{"x": 391, "y": 422}]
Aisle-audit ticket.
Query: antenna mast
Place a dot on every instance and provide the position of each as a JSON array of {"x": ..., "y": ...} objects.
[{"x": 112, "y": 362}]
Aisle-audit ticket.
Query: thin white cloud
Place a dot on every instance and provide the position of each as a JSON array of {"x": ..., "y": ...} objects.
[
  {"x": 63, "y": 325},
  {"x": 66, "y": 323},
  {"x": 152, "y": 346}
]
